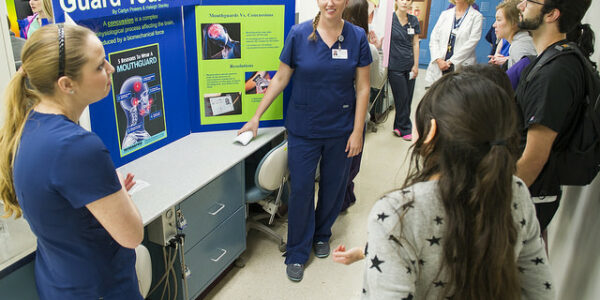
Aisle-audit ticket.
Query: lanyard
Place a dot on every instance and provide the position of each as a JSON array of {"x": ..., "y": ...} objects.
[{"x": 457, "y": 24}]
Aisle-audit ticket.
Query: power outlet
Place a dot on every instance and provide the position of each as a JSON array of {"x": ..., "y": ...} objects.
[{"x": 161, "y": 230}]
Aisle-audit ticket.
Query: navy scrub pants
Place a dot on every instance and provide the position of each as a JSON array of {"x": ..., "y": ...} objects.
[
  {"x": 305, "y": 224},
  {"x": 402, "y": 89}
]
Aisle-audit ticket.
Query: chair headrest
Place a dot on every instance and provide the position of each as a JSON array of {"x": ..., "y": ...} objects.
[{"x": 272, "y": 168}]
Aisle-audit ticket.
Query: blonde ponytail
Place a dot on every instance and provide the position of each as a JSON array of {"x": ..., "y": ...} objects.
[
  {"x": 313, "y": 35},
  {"x": 19, "y": 102},
  {"x": 37, "y": 77}
]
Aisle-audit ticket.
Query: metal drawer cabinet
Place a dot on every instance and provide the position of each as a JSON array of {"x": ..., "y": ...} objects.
[
  {"x": 217, "y": 251},
  {"x": 211, "y": 205}
]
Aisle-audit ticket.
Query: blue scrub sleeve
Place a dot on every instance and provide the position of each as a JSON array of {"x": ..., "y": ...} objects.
[
  {"x": 83, "y": 171},
  {"x": 364, "y": 57},
  {"x": 287, "y": 53}
]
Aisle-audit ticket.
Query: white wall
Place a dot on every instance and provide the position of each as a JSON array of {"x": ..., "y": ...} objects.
[
  {"x": 575, "y": 229},
  {"x": 592, "y": 12},
  {"x": 308, "y": 9}
]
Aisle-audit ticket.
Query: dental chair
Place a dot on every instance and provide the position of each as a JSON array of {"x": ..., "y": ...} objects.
[{"x": 268, "y": 190}]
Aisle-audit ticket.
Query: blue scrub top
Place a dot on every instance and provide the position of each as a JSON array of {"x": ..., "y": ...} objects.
[
  {"x": 59, "y": 168},
  {"x": 401, "y": 43},
  {"x": 323, "y": 97}
]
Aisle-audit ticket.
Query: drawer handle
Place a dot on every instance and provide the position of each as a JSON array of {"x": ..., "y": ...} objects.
[
  {"x": 218, "y": 210},
  {"x": 220, "y": 256}
]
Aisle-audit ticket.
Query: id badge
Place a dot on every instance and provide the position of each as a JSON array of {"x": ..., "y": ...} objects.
[
  {"x": 454, "y": 31},
  {"x": 339, "y": 53},
  {"x": 411, "y": 31}
]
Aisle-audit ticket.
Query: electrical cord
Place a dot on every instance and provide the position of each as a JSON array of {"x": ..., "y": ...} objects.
[{"x": 169, "y": 262}]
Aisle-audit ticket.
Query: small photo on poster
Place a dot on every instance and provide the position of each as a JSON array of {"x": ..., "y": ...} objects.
[
  {"x": 221, "y": 41},
  {"x": 223, "y": 104},
  {"x": 138, "y": 97},
  {"x": 258, "y": 82}
]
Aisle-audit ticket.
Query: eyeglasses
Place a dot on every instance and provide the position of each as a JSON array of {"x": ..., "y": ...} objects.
[{"x": 536, "y": 2}]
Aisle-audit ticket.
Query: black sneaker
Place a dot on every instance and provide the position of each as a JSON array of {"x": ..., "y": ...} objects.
[
  {"x": 295, "y": 272},
  {"x": 321, "y": 249}
]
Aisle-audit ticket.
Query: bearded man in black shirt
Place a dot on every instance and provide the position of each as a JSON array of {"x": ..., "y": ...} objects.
[{"x": 550, "y": 100}]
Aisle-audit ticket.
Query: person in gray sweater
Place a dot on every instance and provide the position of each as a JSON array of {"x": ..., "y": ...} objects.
[
  {"x": 463, "y": 226},
  {"x": 506, "y": 27}
]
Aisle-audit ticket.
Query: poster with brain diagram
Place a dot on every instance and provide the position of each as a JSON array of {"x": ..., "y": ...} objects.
[{"x": 138, "y": 100}]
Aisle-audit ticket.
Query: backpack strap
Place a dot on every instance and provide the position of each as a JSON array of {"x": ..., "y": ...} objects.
[{"x": 547, "y": 56}]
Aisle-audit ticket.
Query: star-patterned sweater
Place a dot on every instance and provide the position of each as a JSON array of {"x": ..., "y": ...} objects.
[{"x": 406, "y": 266}]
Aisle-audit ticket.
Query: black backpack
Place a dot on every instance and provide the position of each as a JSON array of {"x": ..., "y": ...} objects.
[{"x": 576, "y": 160}]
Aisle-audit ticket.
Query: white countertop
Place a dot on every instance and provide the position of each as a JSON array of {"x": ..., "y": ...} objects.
[{"x": 173, "y": 172}]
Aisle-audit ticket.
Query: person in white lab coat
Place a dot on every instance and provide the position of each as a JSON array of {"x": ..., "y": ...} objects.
[{"x": 453, "y": 39}]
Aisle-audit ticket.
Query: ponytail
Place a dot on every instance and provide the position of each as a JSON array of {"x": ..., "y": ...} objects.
[
  {"x": 19, "y": 100},
  {"x": 584, "y": 37},
  {"x": 313, "y": 35},
  {"x": 494, "y": 234}
]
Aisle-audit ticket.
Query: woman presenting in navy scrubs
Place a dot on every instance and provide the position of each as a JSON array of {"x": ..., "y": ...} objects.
[
  {"x": 61, "y": 177},
  {"x": 325, "y": 59}
]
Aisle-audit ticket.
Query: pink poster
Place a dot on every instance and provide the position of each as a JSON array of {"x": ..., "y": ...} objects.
[{"x": 389, "y": 13}]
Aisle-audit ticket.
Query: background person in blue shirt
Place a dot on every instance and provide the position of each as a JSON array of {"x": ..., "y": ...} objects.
[
  {"x": 325, "y": 59},
  {"x": 61, "y": 177},
  {"x": 404, "y": 65}
]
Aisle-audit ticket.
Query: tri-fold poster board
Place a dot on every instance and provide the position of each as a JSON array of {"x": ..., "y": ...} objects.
[{"x": 181, "y": 66}]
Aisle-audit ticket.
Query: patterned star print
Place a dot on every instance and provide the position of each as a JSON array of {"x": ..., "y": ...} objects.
[
  {"x": 433, "y": 240},
  {"x": 520, "y": 184},
  {"x": 515, "y": 205},
  {"x": 548, "y": 285},
  {"x": 438, "y": 220},
  {"x": 439, "y": 283},
  {"x": 408, "y": 270},
  {"x": 538, "y": 260},
  {"x": 375, "y": 263},
  {"x": 382, "y": 217},
  {"x": 409, "y": 297},
  {"x": 523, "y": 222},
  {"x": 408, "y": 205}
]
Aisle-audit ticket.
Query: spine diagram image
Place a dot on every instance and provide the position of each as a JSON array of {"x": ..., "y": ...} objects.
[
  {"x": 136, "y": 106},
  {"x": 139, "y": 106}
]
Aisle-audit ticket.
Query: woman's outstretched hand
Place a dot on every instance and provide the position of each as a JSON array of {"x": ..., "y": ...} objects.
[{"x": 343, "y": 256}]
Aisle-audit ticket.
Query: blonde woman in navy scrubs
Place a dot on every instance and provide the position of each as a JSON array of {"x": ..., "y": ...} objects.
[
  {"x": 60, "y": 177},
  {"x": 325, "y": 59}
]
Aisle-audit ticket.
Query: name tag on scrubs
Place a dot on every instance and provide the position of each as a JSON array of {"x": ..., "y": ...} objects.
[
  {"x": 339, "y": 53},
  {"x": 411, "y": 31}
]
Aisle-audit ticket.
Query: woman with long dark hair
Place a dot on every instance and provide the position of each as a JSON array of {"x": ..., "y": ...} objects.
[{"x": 462, "y": 227}]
